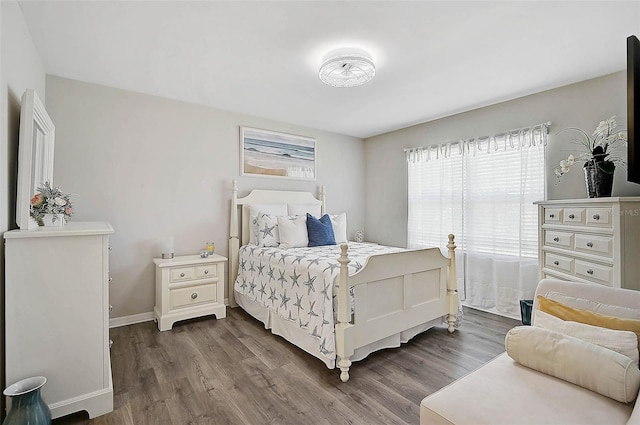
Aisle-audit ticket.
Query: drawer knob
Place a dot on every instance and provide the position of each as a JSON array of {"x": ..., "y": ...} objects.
[
  {"x": 110, "y": 307},
  {"x": 551, "y": 215},
  {"x": 572, "y": 216},
  {"x": 596, "y": 216},
  {"x": 589, "y": 271},
  {"x": 590, "y": 244},
  {"x": 110, "y": 279},
  {"x": 181, "y": 274},
  {"x": 194, "y": 295},
  {"x": 557, "y": 263},
  {"x": 206, "y": 272},
  {"x": 556, "y": 239},
  {"x": 110, "y": 343},
  {"x": 110, "y": 248}
]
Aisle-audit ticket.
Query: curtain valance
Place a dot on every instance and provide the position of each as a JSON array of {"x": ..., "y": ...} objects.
[{"x": 521, "y": 138}]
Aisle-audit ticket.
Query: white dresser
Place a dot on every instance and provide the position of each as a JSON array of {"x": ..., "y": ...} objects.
[
  {"x": 189, "y": 286},
  {"x": 57, "y": 314},
  {"x": 593, "y": 240}
]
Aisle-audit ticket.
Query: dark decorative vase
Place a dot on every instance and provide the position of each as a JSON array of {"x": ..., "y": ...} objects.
[
  {"x": 27, "y": 407},
  {"x": 599, "y": 183}
]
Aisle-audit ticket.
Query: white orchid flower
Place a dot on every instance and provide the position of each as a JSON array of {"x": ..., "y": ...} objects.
[
  {"x": 571, "y": 160},
  {"x": 59, "y": 201}
]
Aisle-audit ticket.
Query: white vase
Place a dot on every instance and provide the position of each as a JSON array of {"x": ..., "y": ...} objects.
[{"x": 53, "y": 220}]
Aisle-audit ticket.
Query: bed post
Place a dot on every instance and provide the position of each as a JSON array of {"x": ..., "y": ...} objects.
[
  {"x": 344, "y": 344},
  {"x": 322, "y": 195},
  {"x": 234, "y": 243},
  {"x": 452, "y": 285}
]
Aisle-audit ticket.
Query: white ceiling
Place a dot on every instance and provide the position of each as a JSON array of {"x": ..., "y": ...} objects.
[{"x": 433, "y": 58}]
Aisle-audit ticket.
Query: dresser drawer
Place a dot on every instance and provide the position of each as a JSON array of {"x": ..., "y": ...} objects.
[
  {"x": 552, "y": 215},
  {"x": 561, "y": 239},
  {"x": 192, "y": 295},
  {"x": 599, "y": 217},
  {"x": 573, "y": 216},
  {"x": 592, "y": 271},
  {"x": 180, "y": 274},
  {"x": 600, "y": 245},
  {"x": 558, "y": 262},
  {"x": 206, "y": 271}
]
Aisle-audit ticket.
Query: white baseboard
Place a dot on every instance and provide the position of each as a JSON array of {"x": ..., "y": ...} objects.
[{"x": 131, "y": 320}]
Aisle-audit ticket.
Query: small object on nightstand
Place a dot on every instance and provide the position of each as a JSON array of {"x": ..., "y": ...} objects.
[
  {"x": 204, "y": 253},
  {"x": 189, "y": 286},
  {"x": 167, "y": 248},
  {"x": 211, "y": 247}
]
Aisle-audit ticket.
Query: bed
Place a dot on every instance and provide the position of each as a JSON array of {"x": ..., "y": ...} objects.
[{"x": 342, "y": 302}]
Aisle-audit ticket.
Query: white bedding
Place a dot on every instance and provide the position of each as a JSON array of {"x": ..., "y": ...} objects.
[{"x": 298, "y": 284}]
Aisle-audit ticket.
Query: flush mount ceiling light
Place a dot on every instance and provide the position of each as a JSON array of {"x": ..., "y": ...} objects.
[{"x": 347, "y": 68}]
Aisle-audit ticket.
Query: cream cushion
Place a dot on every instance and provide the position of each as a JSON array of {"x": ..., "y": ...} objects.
[
  {"x": 623, "y": 342},
  {"x": 582, "y": 363},
  {"x": 293, "y": 232},
  {"x": 503, "y": 392},
  {"x": 339, "y": 224}
]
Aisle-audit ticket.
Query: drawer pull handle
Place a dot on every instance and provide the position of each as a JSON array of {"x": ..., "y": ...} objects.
[
  {"x": 556, "y": 239},
  {"x": 110, "y": 307},
  {"x": 589, "y": 271},
  {"x": 557, "y": 263},
  {"x": 194, "y": 295},
  {"x": 552, "y": 215},
  {"x": 596, "y": 216},
  {"x": 572, "y": 216},
  {"x": 110, "y": 248},
  {"x": 110, "y": 279},
  {"x": 181, "y": 274},
  {"x": 206, "y": 272},
  {"x": 110, "y": 343},
  {"x": 590, "y": 244}
]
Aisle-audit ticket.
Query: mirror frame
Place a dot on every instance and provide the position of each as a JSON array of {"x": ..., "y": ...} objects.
[{"x": 35, "y": 155}]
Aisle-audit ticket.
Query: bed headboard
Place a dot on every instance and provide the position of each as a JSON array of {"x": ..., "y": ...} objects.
[{"x": 239, "y": 234}]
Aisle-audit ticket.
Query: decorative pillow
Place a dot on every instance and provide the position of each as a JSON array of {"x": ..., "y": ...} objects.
[
  {"x": 303, "y": 209},
  {"x": 565, "y": 312},
  {"x": 623, "y": 342},
  {"x": 595, "y": 306},
  {"x": 268, "y": 230},
  {"x": 339, "y": 224},
  {"x": 320, "y": 232},
  {"x": 255, "y": 210},
  {"x": 588, "y": 365},
  {"x": 293, "y": 231}
]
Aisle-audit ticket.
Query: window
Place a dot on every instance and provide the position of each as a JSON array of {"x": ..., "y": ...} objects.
[{"x": 482, "y": 191}]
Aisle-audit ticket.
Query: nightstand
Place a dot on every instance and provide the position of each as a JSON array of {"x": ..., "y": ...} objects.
[{"x": 187, "y": 287}]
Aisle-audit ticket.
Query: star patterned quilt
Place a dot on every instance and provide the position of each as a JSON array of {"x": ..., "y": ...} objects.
[{"x": 300, "y": 284}]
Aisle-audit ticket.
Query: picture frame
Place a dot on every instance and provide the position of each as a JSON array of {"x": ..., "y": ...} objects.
[
  {"x": 35, "y": 155},
  {"x": 272, "y": 154}
]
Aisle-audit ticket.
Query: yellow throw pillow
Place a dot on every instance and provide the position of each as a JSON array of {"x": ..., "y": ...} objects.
[{"x": 565, "y": 312}]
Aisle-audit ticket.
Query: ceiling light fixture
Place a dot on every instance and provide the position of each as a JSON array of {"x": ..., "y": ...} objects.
[{"x": 347, "y": 68}]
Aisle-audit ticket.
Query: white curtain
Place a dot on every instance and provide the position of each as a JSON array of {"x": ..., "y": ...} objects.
[{"x": 482, "y": 190}]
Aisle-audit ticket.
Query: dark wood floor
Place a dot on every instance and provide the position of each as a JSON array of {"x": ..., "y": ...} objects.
[{"x": 233, "y": 371}]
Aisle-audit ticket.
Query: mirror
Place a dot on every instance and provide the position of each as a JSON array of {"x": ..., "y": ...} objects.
[{"x": 35, "y": 155}]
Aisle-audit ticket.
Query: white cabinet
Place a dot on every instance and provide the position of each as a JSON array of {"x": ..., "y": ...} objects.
[
  {"x": 593, "y": 240},
  {"x": 187, "y": 287},
  {"x": 57, "y": 314}
]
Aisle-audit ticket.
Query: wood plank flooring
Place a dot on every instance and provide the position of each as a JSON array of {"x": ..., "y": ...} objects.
[{"x": 233, "y": 371}]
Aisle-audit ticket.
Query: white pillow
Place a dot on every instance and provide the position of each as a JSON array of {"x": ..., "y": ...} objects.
[
  {"x": 623, "y": 342},
  {"x": 302, "y": 209},
  {"x": 293, "y": 231},
  {"x": 588, "y": 365},
  {"x": 339, "y": 224},
  {"x": 255, "y": 210},
  {"x": 267, "y": 230}
]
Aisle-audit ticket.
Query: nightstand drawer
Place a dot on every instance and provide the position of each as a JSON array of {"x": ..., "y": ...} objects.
[
  {"x": 206, "y": 271},
  {"x": 562, "y": 239},
  {"x": 192, "y": 295},
  {"x": 552, "y": 215},
  {"x": 558, "y": 262},
  {"x": 183, "y": 273},
  {"x": 591, "y": 271},
  {"x": 595, "y": 244}
]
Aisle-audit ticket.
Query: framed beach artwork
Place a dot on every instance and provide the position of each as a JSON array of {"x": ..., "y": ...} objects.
[{"x": 266, "y": 153}]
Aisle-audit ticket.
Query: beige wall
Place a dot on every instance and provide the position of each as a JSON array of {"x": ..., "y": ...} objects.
[
  {"x": 20, "y": 69},
  {"x": 580, "y": 105},
  {"x": 155, "y": 167}
]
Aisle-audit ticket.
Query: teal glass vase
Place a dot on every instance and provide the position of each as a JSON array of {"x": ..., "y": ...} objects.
[{"x": 27, "y": 407}]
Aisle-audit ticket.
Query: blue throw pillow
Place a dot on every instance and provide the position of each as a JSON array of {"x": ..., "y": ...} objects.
[{"x": 320, "y": 232}]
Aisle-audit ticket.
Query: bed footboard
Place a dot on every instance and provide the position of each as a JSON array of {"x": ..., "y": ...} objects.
[{"x": 393, "y": 293}]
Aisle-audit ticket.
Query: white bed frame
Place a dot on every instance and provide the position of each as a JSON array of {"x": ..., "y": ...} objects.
[{"x": 392, "y": 292}]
